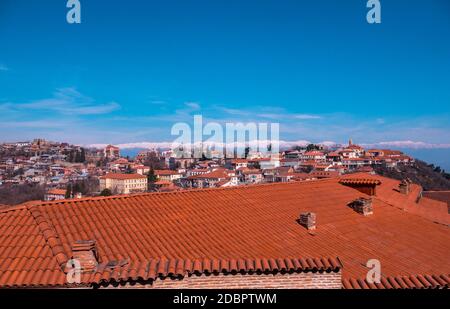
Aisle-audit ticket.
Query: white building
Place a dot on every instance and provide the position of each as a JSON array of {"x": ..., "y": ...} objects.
[{"x": 123, "y": 183}]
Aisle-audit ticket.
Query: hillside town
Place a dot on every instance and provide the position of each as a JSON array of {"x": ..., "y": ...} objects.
[{"x": 65, "y": 171}]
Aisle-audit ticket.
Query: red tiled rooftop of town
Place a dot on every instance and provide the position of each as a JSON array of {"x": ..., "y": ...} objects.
[
  {"x": 123, "y": 176},
  {"x": 57, "y": 192},
  {"x": 314, "y": 153},
  {"x": 401, "y": 282},
  {"x": 414, "y": 203},
  {"x": 253, "y": 222},
  {"x": 360, "y": 181},
  {"x": 165, "y": 172},
  {"x": 216, "y": 174}
]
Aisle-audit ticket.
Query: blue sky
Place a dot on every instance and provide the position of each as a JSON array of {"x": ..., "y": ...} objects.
[{"x": 134, "y": 68}]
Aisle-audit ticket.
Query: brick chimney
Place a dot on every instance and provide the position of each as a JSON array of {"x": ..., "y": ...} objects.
[
  {"x": 363, "y": 185},
  {"x": 85, "y": 251},
  {"x": 404, "y": 186},
  {"x": 362, "y": 206},
  {"x": 308, "y": 220}
]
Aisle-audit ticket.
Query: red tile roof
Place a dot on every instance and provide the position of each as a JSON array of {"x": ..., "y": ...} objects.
[
  {"x": 123, "y": 176},
  {"x": 236, "y": 161},
  {"x": 354, "y": 147},
  {"x": 163, "y": 183},
  {"x": 216, "y": 174},
  {"x": 121, "y": 161},
  {"x": 388, "y": 192},
  {"x": 26, "y": 255},
  {"x": 165, "y": 172},
  {"x": 57, "y": 192},
  {"x": 223, "y": 182},
  {"x": 36, "y": 239},
  {"x": 324, "y": 174},
  {"x": 176, "y": 268},
  {"x": 314, "y": 153},
  {"x": 252, "y": 172},
  {"x": 401, "y": 282},
  {"x": 360, "y": 181}
]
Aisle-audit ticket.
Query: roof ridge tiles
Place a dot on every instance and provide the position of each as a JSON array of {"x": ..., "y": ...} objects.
[
  {"x": 8, "y": 208},
  {"x": 417, "y": 281},
  {"x": 50, "y": 236},
  {"x": 196, "y": 190},
  {"x": 177, "y": 268}
]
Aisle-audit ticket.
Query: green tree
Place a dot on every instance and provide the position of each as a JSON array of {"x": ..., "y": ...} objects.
[
  {"x": 68, "y": 191},
  {"x": 77, "y": 157},
  {"x": 76, "y": 188},
  {"x": 83, "y": 155},
  {"x": 247, "y": 151},
  {"x": 106, "y": 192},
  {"x": 312, "y": 147},
  {"x": 70, "y": 156},
  {"x": 151, "y": 177}
]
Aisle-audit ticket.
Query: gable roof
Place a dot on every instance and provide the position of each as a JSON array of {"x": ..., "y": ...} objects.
[
  {"x": 240, "y": 223},
  {"x": 57, "y": 192},
  {"x": 413, "y": 203},
  {"x": 219, "y": 173},
  {"x": 123, "y": 176},
  {"x": 166, "y": 172}
]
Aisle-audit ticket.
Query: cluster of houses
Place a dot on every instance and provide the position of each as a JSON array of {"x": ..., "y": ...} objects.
[
  {"x": 42, "y": 162},
  {"x": 57, "y": 165},
  {"x": 290, "y": 165},
  {"x": 52, "y": 165}
]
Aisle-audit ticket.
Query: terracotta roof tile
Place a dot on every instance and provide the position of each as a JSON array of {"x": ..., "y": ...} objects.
[
  {"x": 123, "y": 176},
  {"x": 216, "y": 174},
  {"x": 360, "y": 181},
  {"x": 197, "y": 231},
  {"x": 165, "y": 172},
  {"x": 387, "y": 191},
  {"x": 401, "y": 282},
  {"x": 57, "y": 192}
]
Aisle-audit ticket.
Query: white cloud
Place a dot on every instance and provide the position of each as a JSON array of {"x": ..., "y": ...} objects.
[
  {"x": 288, "y": 144},
  {"x": 407, "y": 144},
  {"x": 41, "y": 124},
  {"x": 158, "y": 102},
  {"x": 192, "y": 105},
  {"x": 267, "y": 112},
  {"x": 286, "y": 115},
  {"x": 66, "y": 101},
  {"x": 306, "y": 116},
  {"x": 167, "y": 144}
]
